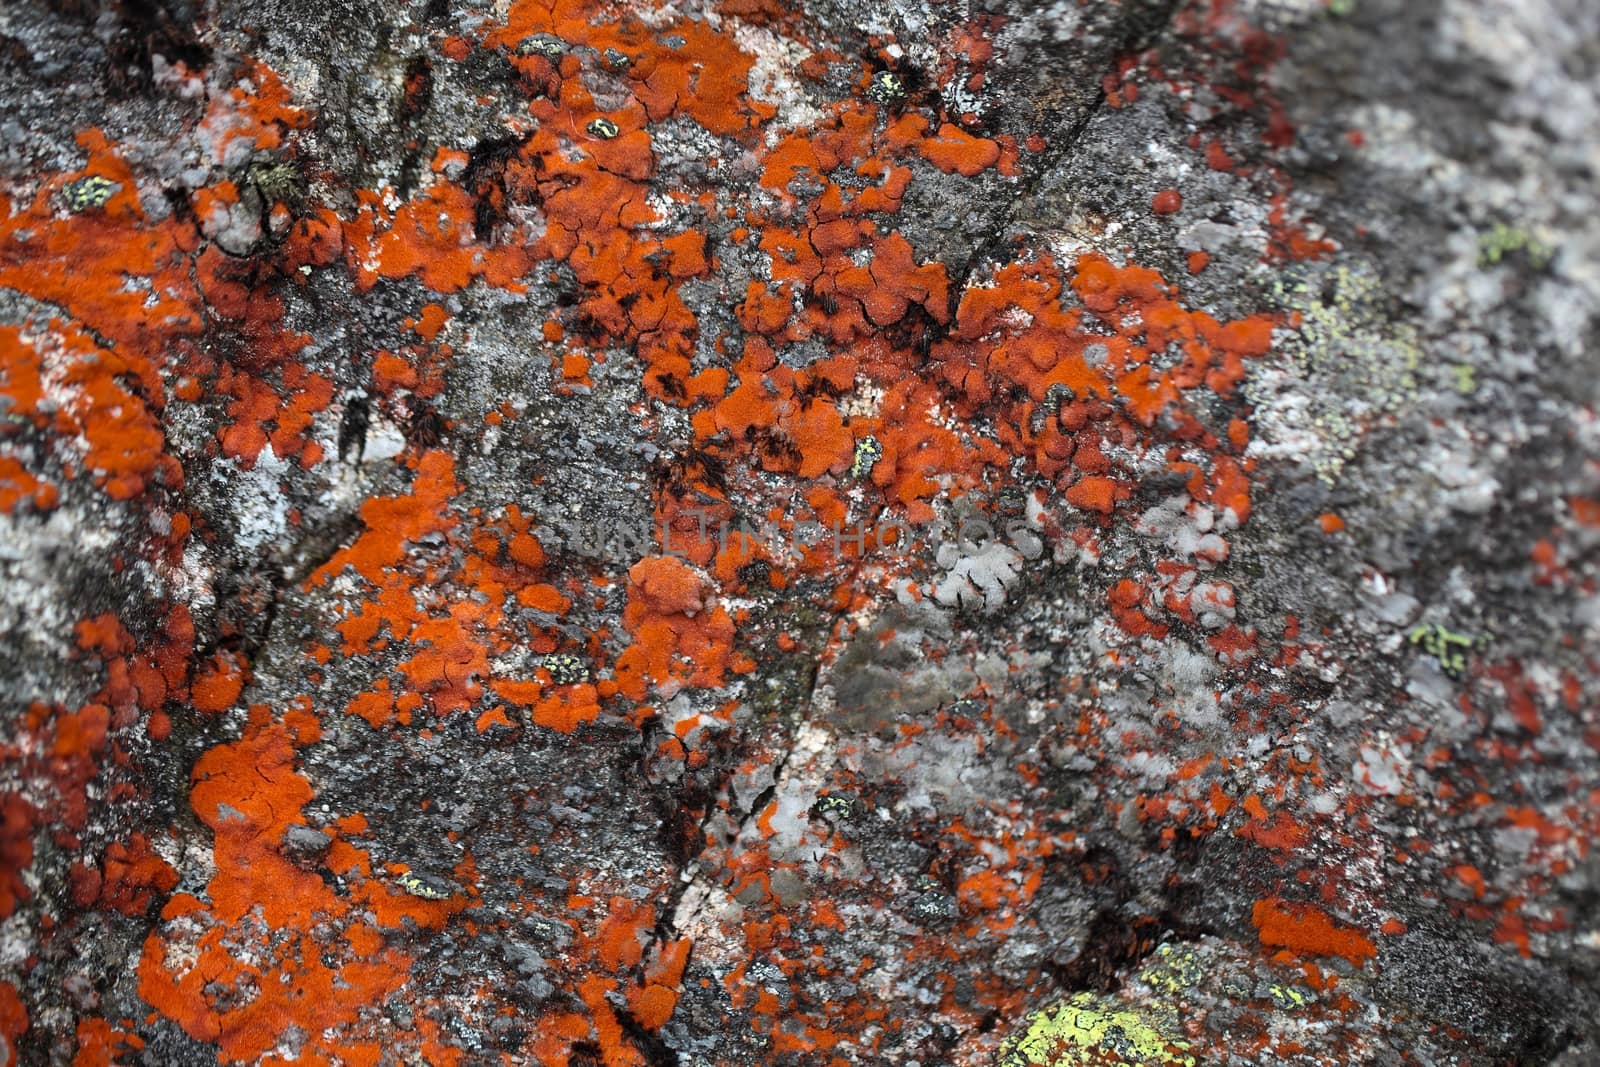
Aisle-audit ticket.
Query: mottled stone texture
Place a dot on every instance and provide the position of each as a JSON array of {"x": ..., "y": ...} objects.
[{"x": 745, "y": 532}]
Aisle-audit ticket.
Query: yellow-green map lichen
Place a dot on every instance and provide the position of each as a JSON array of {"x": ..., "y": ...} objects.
[
  {"x": 1503, "y": 240},
  {"x": 1446, "y": 646},
  {"x": 1091, "y": 1029},
  {"x": 1344, "y": 367},
  {"x": 427, "y": 889},
  {"x": 1172, "y": 970}
]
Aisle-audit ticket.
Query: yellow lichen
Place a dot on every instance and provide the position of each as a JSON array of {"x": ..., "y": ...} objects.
[
  {"x": 1446, "y": 646},
  {"x": 1173, "y": 970},
  {"x": 1503, "y": 240},
  {"x": 1089, "y": 1029},
  {"x": 1360, "y": 366},
  {"x": 417, "y": 887},
  {"x": 1288, "y": 997}
]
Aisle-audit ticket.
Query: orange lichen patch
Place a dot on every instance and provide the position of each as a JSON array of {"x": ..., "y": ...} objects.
[
  {"x": 13, "y": 1023},
  {"x": 17, "y": 486},
  {"x": 1520, "y": 695},
  {"x": 1546, "y": 830},
  {"x": 1167, "y": 202},
  {"x": 567, "y": 708},
  {"x": 679, "y": 636},
  {"x": 216, "y": 687},
  {"x": 133, "y": 874},
  {"x": 248, "y": 793},
  {"x": 541, "y": 597},
  {"x": 124, "y": 438},
  {"x": 921, "y": 457},
  {"x": 449, "y": 660},
  {"x": 575, "y": 368},
  {"x": 136, "y": 678},
  {"x": 76, "y": 741},
  {"x": 853, "y": 300},
  {"x": 431, "y": 237},
  {"x": 620, "y": 941},
  {"x": 705, "y": 77},
  {"x": 251, "y": 115},
  {"x": 1125, "y": 600},
  {"x": 251, "y": 316},
  {"x": 591, "y": 190},
  {"x": 749, "y": 406},
  {"x": 613, "y": 1049},
  {"x": 818, "y": 432},
  {"x": 955, "y": 151},
  {"x": 431, "y": 322},
  {"x": 122, "y": 277},
  {"x": 21, "y": 373},
  {"x": 893, "y": 282},
  {"x": 1513, "y": 929},
  {"x": 136, "y": 284},
  {"x": 102, "y": 1045},
  {"x": 494, "y": 717},
  {"x": 652, "y": 1005},
  {"x": 1232, "y": 487},
  {"x": 391, "y": 373},
  {"x": 762, "y": 311},
  {"x": 391, "y": 522},
  {"x": 1288, "y": 240},
  {"x": 1279, "y": 832},
  {"x": 1307, "y": 930},
  {"x": 665, "y": 585},
  {"x": 1470, "y": 877},
  {"x": 207, "y": 971},
  {"x": 1093, "y": 494},
  {"x": 16, "y": 850},
  {"x": 1064, "y": 386},
  {"x": 376, "y": 706}
]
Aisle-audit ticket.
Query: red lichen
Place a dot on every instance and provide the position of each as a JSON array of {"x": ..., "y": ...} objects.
[
  {"x": 133, "y": 875},
  {"x": 241, "y": 995},
  {"x": 1307, "y": 930},
  {"x": 13, "y": 1024},
  {"x": 16, "y": 850},
  {"x": 1092, "y": 372}
]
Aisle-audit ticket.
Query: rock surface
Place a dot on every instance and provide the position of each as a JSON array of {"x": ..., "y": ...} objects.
[{"x": 758, "y": 533}]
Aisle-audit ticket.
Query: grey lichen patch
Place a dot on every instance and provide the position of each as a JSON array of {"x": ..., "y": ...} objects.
[
  {"x": 543, "y": 44},
  {"x": 931, "y": 904},
  {"x": 781, "y": 693},
  {"x": 278, "y": 182},
  {"x": 1343, "y": 366},
  {"x": 1172, "y": 970}
]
